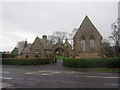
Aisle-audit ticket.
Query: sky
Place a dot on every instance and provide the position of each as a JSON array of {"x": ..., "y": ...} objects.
[{"x": 27, "y": 20}]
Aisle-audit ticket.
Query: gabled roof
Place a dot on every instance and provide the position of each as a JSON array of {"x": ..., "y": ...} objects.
[
  {"x": 15, "y": 51},
  {"x": 20, "y": 49},
  {"x": 26, "y": 50},
  {"x": 46, "y": 44},
  {"x": 87, "y": 21}
]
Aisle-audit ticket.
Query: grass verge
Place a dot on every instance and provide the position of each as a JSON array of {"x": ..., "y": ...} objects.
[{"x": 109, "y": 70}]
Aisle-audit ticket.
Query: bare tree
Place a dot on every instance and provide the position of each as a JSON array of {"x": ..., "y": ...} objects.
[
  {"x": 71, "y": 35},
  {"x": 107, "y": 48},
  {"x": 57, "y": 37},
  {"x": 116, "y": 35},
  {"x": 21, "y": 44},
  {"x": 52, "y": 39}
]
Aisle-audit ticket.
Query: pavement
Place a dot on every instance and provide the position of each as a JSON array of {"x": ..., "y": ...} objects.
[{"x": 55, "y": 76}]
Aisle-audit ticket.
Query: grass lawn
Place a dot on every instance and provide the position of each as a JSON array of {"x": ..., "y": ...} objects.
[
  {"x": 100, "y": 69},
  {"x": 59, "y": 57}
]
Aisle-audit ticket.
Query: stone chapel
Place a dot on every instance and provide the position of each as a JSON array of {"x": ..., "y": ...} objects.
[{"x": 87, "y": 41}]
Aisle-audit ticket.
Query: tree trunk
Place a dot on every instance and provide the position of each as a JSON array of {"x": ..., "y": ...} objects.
[{"x": 116, "y": 49}]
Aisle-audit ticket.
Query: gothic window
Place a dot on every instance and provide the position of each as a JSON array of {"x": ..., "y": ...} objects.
[
  {"x": 92, "y": 40},
  {"x": 83, "y": 43}
]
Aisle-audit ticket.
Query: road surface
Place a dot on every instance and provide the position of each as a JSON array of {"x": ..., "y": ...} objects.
[{"x": 55, "y": 76}]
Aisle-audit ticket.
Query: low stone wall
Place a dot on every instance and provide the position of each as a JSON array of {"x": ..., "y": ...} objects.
[{"x": 88, "y": 55}]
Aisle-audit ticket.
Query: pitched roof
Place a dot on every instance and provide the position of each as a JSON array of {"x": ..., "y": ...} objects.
[
  {"x": 26, "y": 50},
  {"x": 20, "y": 50},
  {"x": 46, "y": 44},
  {"x": 85, "y": 22},
  {"x": 14, "y": 51}
]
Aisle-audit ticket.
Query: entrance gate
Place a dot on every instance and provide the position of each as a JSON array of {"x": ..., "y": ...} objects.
[{"x": 58, "y": 47}]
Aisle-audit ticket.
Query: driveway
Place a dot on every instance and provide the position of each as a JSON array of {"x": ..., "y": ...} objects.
[{"x": 55, "y": 76}]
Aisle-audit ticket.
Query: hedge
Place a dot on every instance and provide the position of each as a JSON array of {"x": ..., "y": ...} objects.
[
  {"x": 13, "y": 61},
  {"x": 90, "y": 63}
]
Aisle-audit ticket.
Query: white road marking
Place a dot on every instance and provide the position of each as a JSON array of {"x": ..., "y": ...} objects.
[
  {"x": 112, "y": 84},
  {"x": 97, "y": 76},
  {"x": 92, "y": 76},
  {"x": 51, "y": 73},
  {"x": 6, "y": 77},
  {"x": 111, "y": 77},
  {"x": 9, "y": 78},
  {"x": 4, "y": 85},
  {"x": 4, "y": 72},
  {"x": 45, "y": 73},
  {"x": 72, "y": 72}
]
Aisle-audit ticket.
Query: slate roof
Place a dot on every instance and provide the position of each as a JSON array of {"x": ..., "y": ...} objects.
[
  {"x": 26, "y": 50},
  {"x": 15, "y": 51},
  {"x": 46, "y": 44},
  {"x": 20, "y": 50}
]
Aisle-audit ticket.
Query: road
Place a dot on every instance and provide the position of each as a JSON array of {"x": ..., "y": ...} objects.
[{"x": 55, "y": 76}]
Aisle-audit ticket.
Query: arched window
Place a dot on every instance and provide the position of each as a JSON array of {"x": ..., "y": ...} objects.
[
  {"x": 27, "y": 56},
  {"x": 92, "y": 40},
  {"x": 83, "y": 43}
]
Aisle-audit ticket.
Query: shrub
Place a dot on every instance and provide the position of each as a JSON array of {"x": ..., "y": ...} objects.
[
  {"x": 7, "y": 55},
  {"x": 96, "y": 62},
  {"x": 13, "y": 61}
]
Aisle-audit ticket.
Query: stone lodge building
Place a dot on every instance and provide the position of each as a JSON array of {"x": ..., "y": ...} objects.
[{"x": 39, "y": 48}]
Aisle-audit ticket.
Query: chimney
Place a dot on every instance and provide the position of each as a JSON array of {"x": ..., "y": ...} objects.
[
  {"x": 44, "y": 37},
  {"x": 66, "y": 40},
  {"x": 25, "y": 42}
]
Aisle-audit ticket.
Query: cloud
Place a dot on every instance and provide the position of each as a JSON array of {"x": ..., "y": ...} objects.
[{"x": 28, "y": 20}]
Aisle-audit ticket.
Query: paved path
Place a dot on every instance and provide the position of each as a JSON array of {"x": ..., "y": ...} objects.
[{"x": 54, "y": 76}]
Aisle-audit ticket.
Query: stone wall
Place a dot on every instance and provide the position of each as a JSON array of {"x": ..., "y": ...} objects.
[
  {"x": 37, "y": 49},
  {"x": 88, "y": 55}
]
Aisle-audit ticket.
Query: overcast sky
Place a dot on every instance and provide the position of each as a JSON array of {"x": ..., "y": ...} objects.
[{"x": 26, "y": 20}]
